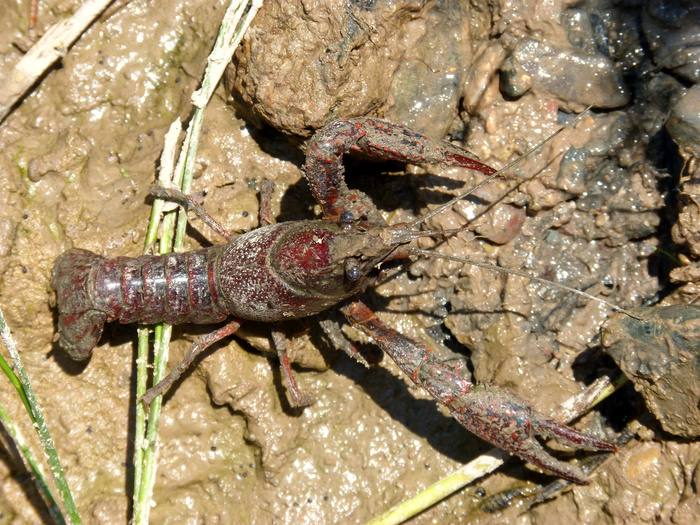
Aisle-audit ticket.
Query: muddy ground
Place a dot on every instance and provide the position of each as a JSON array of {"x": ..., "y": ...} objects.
[{"x": 607, "y": 207}]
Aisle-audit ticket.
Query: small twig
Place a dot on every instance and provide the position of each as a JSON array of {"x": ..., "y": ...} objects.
[
  {"x": 33, "y": 12},
  {"x": 50, "y": 47}
]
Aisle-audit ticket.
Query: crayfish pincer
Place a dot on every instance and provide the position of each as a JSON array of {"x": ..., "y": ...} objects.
[{"x": 297, "y": 269}]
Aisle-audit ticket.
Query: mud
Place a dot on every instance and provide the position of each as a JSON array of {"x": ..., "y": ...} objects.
[
  {"x": 78, "y": 155},
  {"x": 660, "y": 355}
]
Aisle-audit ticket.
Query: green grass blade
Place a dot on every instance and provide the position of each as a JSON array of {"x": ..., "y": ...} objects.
[
  {"x": 39, "y": 478},
  {"x": 40, "y": 425},
  {"x": 146, "y": 450},
  {"x": 18, "y": 386}
]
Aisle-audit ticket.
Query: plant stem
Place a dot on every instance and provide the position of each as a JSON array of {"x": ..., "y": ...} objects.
[
  {"x": 146, "y": 450},
  {"x": 42, "y": 429}
]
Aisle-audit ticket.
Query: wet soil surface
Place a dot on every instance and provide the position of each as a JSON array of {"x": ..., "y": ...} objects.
[{"x": 609, "y": 207}]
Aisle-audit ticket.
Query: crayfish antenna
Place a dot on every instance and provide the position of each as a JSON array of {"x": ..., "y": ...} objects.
[
  {"x": 449, "y": 204},
  {"x": 407, "y": 232},
  {"x": 519, "y": 273}
]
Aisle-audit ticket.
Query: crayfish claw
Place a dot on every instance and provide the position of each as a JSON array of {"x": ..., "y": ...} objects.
[
  {"x": 509, "y": 422},
  {"x": 495, "y": 414},
  {"x": 519, "y": 425},
  {"x": 531, "y": 451},
  {"x": 547, "y": 427}
]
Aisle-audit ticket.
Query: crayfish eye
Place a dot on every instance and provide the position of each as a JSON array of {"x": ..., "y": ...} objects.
[
  {"x": 346, "y": 220},
  {"x": 352, "y": 270}
]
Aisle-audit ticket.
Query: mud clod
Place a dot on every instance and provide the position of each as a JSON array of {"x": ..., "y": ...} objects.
[{"x": 661, "y": 356}]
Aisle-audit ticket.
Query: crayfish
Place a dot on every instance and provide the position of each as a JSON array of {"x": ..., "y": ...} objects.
[{"x": 297, "y": 269}]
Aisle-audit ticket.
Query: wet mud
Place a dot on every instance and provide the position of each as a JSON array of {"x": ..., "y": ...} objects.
[
  {"x": 660, "y": 354},
  {"x": 609, "y": 207}
]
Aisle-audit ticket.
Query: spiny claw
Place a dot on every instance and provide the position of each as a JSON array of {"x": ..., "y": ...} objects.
[
  {"x": 496, "y": 415},
  {"x": 324, "y": 160},
  {"x": 507, "y": 421},
  {"x": 546, "y": 427}
]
